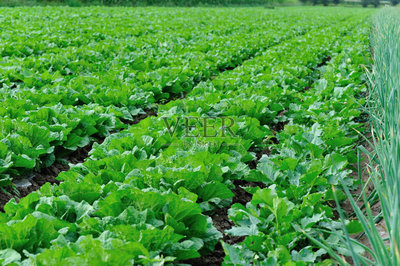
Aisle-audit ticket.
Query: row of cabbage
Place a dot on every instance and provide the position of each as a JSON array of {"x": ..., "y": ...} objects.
[
  {"x": 314, "y": 156},
  {"x": 64, "y": 95},
  {"x": 146, "y": 195}
]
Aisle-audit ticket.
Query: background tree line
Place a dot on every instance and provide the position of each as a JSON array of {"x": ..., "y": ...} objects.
[
  {"x": 142, "y": 2},
  {"x": 265, "y": 3},
  {"x": 364, "y": 3}
]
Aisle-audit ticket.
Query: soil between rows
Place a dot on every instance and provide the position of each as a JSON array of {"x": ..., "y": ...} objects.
[
  {"x": 222, "y": 222},
  {"x": 49, "y": 174},
  {"x": 220, "y": 217},
  {"x": 44, "y": 175}
]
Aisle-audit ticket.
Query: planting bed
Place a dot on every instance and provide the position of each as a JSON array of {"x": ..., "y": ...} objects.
[{"x": 178, "y": 136}]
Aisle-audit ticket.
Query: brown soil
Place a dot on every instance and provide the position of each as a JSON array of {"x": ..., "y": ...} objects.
[
  {"x": 81, "y": 154},
  {"x": 214, "y": 258},
  {"x": 49, "y": 174},
  {"x": 44, "y": 175},
  {"x": 259, "y": 154},
  {"x": 369, "y": 188},
  {"x": 140, "y": 117},
  {"x": 222, "y": 223},
  {"x": 40, "y": 178}
]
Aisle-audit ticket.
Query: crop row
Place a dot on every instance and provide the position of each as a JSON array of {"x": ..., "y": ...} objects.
[
  {"x": 312, "y": 155},
  {"x": 147, "y": 194},
  {"x": 39, "y": 31},
  {"x": 164, "y": 62},
  {"x": 45, "y": 109}
]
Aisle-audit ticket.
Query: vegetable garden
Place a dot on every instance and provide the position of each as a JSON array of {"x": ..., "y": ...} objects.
[{"x": 154, "y": 136}]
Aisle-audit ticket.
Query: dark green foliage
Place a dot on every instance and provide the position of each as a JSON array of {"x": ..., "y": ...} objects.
[
  {"x": 375, "y": 3},
  {"x": 138, "y": 2}
]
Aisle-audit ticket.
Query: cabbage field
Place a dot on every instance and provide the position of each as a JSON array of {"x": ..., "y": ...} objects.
[{"x": 173, "y": 136}]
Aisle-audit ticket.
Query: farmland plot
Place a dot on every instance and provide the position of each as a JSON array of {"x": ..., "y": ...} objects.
[{"x": 216, "y": 135}]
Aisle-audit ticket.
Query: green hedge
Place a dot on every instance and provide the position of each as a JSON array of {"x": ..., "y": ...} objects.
[{"x": 138, "y": 2}]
